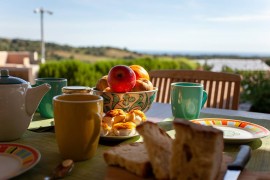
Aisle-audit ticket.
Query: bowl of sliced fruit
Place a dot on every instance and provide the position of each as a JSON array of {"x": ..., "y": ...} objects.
[{"x": 127, "y": 88}]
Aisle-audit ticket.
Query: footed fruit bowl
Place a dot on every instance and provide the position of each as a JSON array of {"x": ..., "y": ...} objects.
[{"x": 141, "y": 100}]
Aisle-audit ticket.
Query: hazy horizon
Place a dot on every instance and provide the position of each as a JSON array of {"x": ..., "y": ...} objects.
[{"x": 171, "y": 52}]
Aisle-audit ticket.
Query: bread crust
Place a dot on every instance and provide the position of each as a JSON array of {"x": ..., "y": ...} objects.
[
  {"x": 196, "y": 152},
  {"x": 158, "y": 144}
]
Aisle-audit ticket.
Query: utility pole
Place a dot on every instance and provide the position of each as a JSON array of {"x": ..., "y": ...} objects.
[{"x": 42, "y": 11}]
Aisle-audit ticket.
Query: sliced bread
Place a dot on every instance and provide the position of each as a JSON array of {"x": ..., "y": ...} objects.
[
  {"x": 133, "y": 157},
  {"x": 196, "y": 151},
  {"x": 159, "y": 147}
]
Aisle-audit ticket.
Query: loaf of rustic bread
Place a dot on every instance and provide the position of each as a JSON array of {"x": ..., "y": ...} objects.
[
  {"x": 132, "y": 157},
  {"x": 196, "y": 151}
]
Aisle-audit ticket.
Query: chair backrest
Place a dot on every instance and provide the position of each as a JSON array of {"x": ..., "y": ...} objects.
[{"x": 223, "y": 88}]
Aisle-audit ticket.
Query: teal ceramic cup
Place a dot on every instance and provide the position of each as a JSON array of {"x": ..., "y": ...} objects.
[
  {"x": 45, "y": 107},
  {"x": 187, "y": 99}
]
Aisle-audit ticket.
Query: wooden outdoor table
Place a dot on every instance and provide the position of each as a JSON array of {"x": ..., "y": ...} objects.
[{"x": 96, "y": 168}]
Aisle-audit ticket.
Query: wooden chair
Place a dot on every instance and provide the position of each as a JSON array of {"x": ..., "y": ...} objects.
[{"x": 223, "y": 88}]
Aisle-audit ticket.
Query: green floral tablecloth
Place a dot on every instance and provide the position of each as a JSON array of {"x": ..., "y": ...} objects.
[
  {"x": 95, "y": 168},
  {"x": 50, "y": 157}
]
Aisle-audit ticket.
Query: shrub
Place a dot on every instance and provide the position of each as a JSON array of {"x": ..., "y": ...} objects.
[
  {"x": 256, "y": 87},
  {"x": 87, "y": 74},
  {"x": 77, "y": 72}
]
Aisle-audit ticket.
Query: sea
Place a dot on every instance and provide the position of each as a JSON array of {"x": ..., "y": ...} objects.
[
  {"x": 207, "y": 53},
  {"x": 233, "y": 60}
]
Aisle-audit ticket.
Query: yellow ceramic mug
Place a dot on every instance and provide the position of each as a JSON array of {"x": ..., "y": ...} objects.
[{"x": 77, "y": 125}]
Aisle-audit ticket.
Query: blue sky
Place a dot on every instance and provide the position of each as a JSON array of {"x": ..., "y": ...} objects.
[{"x": 162, "y": 25}]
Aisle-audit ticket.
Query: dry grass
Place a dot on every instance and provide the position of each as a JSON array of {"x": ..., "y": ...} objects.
[
  {"x": 109, "y": 54},
  {"x": 79, "y": 56}
]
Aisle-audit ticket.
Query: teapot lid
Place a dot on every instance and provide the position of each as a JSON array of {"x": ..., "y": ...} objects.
[{"x": 5, "y": 78}]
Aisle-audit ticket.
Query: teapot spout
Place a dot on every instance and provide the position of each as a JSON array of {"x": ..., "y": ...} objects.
[{"x": 34, "y": 96}]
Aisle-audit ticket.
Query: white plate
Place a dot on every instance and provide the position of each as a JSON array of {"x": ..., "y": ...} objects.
[
  {"x": 15, "y": 159},
  {"x": 118, "y": 137},
  {"x": 235, "y": 131}
]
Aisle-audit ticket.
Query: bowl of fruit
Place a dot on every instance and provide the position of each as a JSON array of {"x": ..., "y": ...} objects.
[{"x": 127, "y": 88}]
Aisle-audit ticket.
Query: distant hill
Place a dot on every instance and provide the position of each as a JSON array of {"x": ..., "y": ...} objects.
[{"x": 56, "y": 51}]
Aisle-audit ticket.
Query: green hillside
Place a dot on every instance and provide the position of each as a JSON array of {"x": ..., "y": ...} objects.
[{"x": 57, "y": 52}]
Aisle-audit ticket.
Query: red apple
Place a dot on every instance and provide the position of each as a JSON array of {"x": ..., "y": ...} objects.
[{"x": 121, "y": 79}]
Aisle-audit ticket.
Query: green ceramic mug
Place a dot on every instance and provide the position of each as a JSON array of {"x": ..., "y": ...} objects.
[
  {"x": 45, "y": 107},
  {"x": 187, "y": 99}
]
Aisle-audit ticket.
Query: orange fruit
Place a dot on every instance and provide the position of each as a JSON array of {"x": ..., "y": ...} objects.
[{"x": 140, "y": 72}]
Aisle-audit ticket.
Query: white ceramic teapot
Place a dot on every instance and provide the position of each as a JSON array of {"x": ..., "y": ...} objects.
[{"x": 18, "y": 102}]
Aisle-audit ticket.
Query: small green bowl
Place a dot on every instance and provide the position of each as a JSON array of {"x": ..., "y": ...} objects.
[{"x": 128, "y": 101}]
